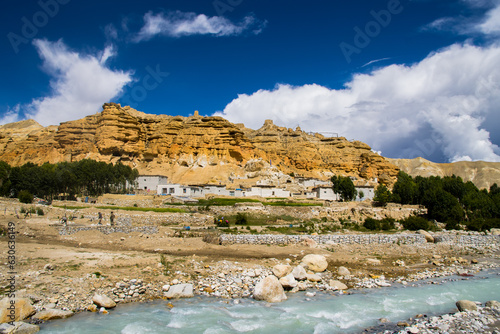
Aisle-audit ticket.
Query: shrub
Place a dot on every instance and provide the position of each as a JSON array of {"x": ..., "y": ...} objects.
[
  {"x": 383, "y": 224},
  {"x": 25, "y": 197},
  {"x": 414, "y": 223},
  {"x": 241, "y": 219},
  {"x": 39, "y": 212},
  {"x": 371, "y": 224}
]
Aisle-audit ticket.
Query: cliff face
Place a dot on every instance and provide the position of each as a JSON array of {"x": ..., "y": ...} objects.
[
  {"x": 189, "y": 149},
  {"x": 482, "y": 174}
]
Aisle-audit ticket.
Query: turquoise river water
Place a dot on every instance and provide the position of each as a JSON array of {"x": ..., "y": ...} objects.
[{"x": 324, "y": 313}]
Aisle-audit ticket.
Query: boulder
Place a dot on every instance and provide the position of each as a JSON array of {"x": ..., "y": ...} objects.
[
  {"x": 493, "y": 304},
  {"x": 315, "y": 262},
  {"x": 466, "y": 305},
  {"x": 337, "y": 285},
  {"x": 495, "y": 231},
  {"x": 373, "y": 262},
  {"x": 309, "y": 243},
  {"x": 427, "y": 235},
  {"x": 50, "y": 314},
  {"x": 343, "y": 271},
  {"x": 18, "y": 328},
  {"x": 270, "y": 290},
  {"x": 23, "y": 309},
  {"x": 103, "y": 301},
  {"x": 281, "y": 270},
  {"x": 180, "y": 291},
  {"x": 299, "y": 273},
  {"x": 288, "y": 282},
  {"x": 313, "y": 277}
]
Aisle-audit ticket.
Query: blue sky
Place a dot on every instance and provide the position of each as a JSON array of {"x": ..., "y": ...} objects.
[{"x": 410, "y": 78}]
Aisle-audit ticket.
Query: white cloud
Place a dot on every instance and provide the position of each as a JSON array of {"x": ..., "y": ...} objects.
[
  {"x": 80, "y": 84},
  {"x": 491, "y": 25},
  {"x": 436, "y": 106},
  {"x": 177, "y": 24}
]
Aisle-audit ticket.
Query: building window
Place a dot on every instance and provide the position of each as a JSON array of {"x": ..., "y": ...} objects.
[
  {"x": 171, "y": 190},
  {"x": 184, "y": 190},
  {"x": 231, "y": 193}
]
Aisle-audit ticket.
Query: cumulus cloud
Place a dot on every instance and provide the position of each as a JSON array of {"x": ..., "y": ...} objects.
[
  {"x": 177, "y": 24},
  {"x": 436, "y": 107},
  {"x": 491, "y": 24},
  {"x": 80, "y": 84}
]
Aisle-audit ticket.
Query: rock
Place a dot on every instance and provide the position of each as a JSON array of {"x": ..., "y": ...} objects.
[
  {"x": 51, "y": 314},
  {"x": 315, "y": 262},
  {"x": 180, "y": 291},
  {"x": 343, "y": 271},
  {"x": 288, "y": 282},
  {"x": 49, "y": 266},
  {"x": 102, "y": 310},
  {"x": 313, "y": 277},
  {"x": 310, "y": 242},
  {"x": 299, "y": 273},
  {"x": 22, "y": 306},
  {"x": 92, "y": 308},
  {"x": 103, "y": 301},
  {"x": 270, "y": 290},
  {"x": 466, "y": 305},
  {"x": 403, "y": 324},
  {"x": 310, "y": 294},
  {"x": 18, "y": 328},
  {"x": 281, "y": 270},
  {"x": 166, "y": 287},
  {"x": 302, "y": 286},
  {"x": 495, "y": 231},
  {"x": 427, "y": 235},
  {"x": 155, "y": 141},
  {"x": 337, "y": 285},
  {"x": 373, "y": 262},
  {"x": 493, "y": 304}
]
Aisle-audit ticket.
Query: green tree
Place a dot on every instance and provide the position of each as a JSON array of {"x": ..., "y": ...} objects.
[
  {"x": 382, "y": 195},
  {"x": 405, "y": 189},
  {"x": 25, "y": 197},
  {"x": 343, "y": 186}
]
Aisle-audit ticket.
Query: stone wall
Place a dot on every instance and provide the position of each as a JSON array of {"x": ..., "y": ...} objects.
[
  {"x": 67, "y": 230},
  {"x": 364, "y": 239},
  {"x": 467, "y": 240}
]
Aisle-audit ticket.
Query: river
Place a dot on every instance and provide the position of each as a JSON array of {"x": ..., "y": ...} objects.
[{"x": 324, "y": 313}]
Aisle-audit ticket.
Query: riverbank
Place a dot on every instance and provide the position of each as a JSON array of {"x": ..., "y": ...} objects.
[{"x": 64, "y": 272}]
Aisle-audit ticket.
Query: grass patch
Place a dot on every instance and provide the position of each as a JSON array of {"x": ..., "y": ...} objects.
[
  {"x": 133, "y": 208},
  {"x": 259, "y": 219},
  {"x": 225, "y": 201},
  {"x": 69, "y": 207},
  {"x": 283, "y": 203}
]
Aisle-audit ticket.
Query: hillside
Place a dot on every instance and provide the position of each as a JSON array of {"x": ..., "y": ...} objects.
[
  {"x": 192, "y": 149},
  {"x": 482, "y": 174}
]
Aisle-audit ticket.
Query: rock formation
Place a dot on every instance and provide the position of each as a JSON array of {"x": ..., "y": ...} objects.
[{"x": 190, "y": 149}]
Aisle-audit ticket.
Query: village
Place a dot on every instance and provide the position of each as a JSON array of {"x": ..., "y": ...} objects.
[{"x": 294, "y": 187}]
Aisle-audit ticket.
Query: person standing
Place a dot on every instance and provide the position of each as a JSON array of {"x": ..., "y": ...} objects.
[
  {"x": 99, "y": 216},
  {"x": 112, "y": 219}
]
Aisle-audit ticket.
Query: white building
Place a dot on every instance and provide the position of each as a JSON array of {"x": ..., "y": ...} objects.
[
  {"x": 311, "y": 182},
  {"x": 326, "y": 193},
  {"x": 173, "y": 190},
  {"x": 267, "y": 191},
  {"x": 150, "y": 182},
  {"x": 368, "y": 192}
]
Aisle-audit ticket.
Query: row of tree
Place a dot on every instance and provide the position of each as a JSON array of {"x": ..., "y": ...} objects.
[
  {"x": 85, "y": 177},
  {"x": 448, "y": 199}
]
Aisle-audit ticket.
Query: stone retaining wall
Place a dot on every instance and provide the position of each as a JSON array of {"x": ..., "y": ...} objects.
[
  {"x": 364, "y": 239},
  {"x": 67, "y": 230},
  {"x": 466, "y": 240}
]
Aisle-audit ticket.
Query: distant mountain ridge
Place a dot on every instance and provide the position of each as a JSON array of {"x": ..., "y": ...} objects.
[{"x": 482, "y": 174}]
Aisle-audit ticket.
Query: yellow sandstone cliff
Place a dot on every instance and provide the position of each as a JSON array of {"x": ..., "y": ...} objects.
[{"x": 190, "y": 149}]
